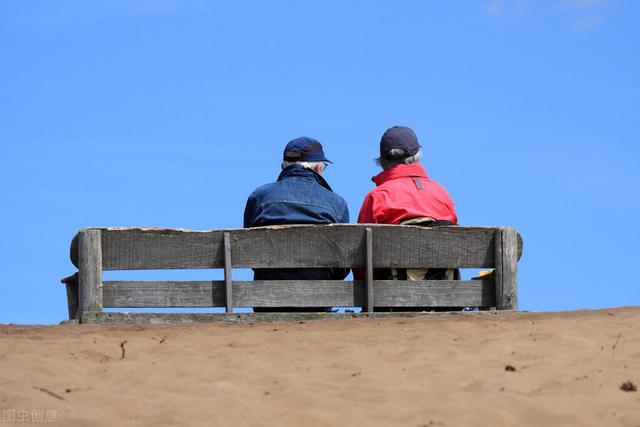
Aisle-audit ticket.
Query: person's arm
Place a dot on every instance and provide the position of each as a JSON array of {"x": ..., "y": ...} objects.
[
  {"x": 249, "y": 212},
  {"x": 344, "y": 217},
  {"x": 451, "y": 207},
  {"x": 366, "y": 211},
  {"x": 453, "y": 211}
]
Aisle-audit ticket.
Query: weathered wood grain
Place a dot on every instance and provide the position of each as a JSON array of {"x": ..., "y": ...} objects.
[
  {"x": 434, "y": 293},
  {"x": 369, "y": 270},
  {"x": 140, "y": 249},
  {"x": 132, "y": 294},
  {"x": 228, "y": 293},
  {"x": 147, "y": 318},
  {"x": 498, "y": 271},
  {"x": 387, "y": 293},
  {"x": 296, "y": 246},
  {"x": 71, "y": 284},
  {"x": 506, "y": 282},
  {"x": 89, "y": 271}
]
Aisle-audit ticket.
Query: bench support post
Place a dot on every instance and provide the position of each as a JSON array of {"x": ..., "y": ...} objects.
[
  {"x": 90, "y": 272},
  {"x": 369, "y": 267},
  {"x": 71, "y": 283},
  {"x": 227, "y": 274},
  {"x": 506, "y": 276}
]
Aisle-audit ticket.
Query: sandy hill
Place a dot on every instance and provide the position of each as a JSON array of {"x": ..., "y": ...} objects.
[{"x": 520, "y": 369}]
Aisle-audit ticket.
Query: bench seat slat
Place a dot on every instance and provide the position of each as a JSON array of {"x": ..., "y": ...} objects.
[{"x": 387, "y": 293}]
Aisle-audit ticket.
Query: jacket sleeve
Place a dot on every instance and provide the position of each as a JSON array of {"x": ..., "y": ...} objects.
[
  {"x": 344, "y": 217},
  {"x": 366, "y": 211},
  {"x": 452, "y": 208},
  {"x": 453, "y": 211},
  {"x": 249, "y": 212}
]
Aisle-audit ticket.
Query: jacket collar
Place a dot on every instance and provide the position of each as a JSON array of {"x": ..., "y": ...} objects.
[
  {"x": 300, "y": 172},
  {"x": 400, "y": 171}
]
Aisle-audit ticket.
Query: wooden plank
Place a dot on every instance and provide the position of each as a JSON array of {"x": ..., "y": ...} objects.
[
  {"x": 295, "y": 246},
  {"x": 506, "y": 269},
  {"x": 227, "y": 274},
  {"x": 438, "y": 247},
  {"x": 133, "y": 294},
  {"x": 71, "y": 283},
  {"x": 140, "y": 249},
  {"x": 434, "y": 293},
  {"x": 387, "y": 293},
  {"x": 301, "y": 293},
  {"x": 498, "y": 271},
  {"x": 90, "y": 271},
  {"x": 155, "y": 318},
  {"x": 140, "y": 294},
  {"x": 299, "y": 246},
  {"x": 369, "y": 269}
]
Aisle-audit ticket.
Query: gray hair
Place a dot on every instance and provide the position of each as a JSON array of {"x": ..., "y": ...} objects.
[
  {"x": 308, "y": 165},
  {"x": 397, "y": 159}
]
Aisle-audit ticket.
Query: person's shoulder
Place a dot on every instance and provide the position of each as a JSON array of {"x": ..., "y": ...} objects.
[
  {"x": 329, "y": 194},
  {"x": 265, "y": 187},
  {"x": 382, "y": 189},
  {"x": 339, "y": 199},
  {"x": 339, "y": 205},
  {"x": 437, "y": 188}
]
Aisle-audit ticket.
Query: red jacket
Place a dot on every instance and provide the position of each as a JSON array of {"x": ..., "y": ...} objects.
[{"x": 404, "y": 192}]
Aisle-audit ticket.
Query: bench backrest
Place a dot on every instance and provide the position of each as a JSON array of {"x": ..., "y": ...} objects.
[{"x": 296, "y": 246}]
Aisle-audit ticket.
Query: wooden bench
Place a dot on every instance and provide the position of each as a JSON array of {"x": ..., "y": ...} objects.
[{"x": 94, "y": 250}]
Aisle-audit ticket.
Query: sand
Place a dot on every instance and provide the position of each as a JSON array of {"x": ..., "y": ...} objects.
[{"x": 550, "y": 369}]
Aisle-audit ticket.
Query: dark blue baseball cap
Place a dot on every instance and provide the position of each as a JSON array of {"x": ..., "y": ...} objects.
[
  {"x": 399, "y": 137},
  {"x": 304, "y": 149}
]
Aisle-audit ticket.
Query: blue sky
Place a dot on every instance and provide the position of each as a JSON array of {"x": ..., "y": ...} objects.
[{"x": 169, "y": 113}]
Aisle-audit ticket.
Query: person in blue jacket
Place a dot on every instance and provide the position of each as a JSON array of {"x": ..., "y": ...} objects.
[{"x": 299, "y": 196}]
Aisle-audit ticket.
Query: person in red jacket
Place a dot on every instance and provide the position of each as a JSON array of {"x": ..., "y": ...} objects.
[
  {"x": 405, "y": 194},
  {"x": 404, "y": 190}
]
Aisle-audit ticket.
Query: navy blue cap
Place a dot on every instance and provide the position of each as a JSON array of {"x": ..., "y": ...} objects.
[
  {"x": 304, "y": 149},
  {"x": 399, "y": 137}
]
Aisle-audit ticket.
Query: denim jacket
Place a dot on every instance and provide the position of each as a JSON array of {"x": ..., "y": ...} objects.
[{"x": 299, "y": 196}]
